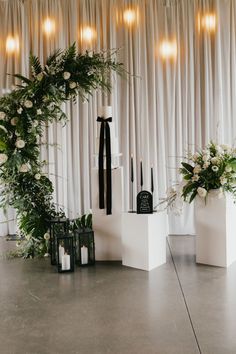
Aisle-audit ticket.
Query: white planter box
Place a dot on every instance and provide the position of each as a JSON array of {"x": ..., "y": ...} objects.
[
  {"x": 215, "y": 223},
  {"x": 144, "y": 240},
  {"x": 107, "y": 228}
]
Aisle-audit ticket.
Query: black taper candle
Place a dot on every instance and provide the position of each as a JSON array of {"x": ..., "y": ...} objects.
[
  {"x": 141, "y": 174},
  {"x": 152, "y": 183},
  {"x": 132, "y": 170}
]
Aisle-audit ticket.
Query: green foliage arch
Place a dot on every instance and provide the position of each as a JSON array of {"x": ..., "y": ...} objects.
[{"x": 23, "y": 114}]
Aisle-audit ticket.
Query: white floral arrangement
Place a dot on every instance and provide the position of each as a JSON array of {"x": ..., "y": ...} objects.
[{"x": 211, "y": 168}]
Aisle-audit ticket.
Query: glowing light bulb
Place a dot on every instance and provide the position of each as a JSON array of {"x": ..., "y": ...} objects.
[
  {"x": 88, "y": 34},
  {"x": 168, "y": 49},
  {"x": 49, "y": 26},
  {"x": 12, "y": 44},
  {"x": 129, "y": 16},
  {"x": 209, "y": 22}
]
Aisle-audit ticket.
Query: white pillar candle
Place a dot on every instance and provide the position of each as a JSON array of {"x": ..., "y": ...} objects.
[
  {"x": 61, "y": 253},
  {"x": 84, "y": 255},
  {"x": 105, "y": 112},
  {"x": 65, "y": 262}
]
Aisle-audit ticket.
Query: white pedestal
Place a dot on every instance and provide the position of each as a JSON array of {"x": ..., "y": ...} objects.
[
  {"x": 144, "y": 240},
  {"x": 215, "y": 223},
  {"x": 107, "y": 228}
]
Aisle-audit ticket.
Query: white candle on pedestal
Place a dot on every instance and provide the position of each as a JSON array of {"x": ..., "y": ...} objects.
[
  {"x": 61, "y": 253},
  {"x": 105, "y": 112},
  {"x": 84, "y": 255},
  {"x": 65, "y": 262}
]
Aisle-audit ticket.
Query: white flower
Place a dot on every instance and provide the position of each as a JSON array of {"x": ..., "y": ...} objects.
[
  {"x": 73, "y": 84},
  {"x": 205, "y": 157},
  {"x": 3, "y": 158},
  {"x": 39, "y": 77},
  {"x": 228, "y": 169},
  {"x": 219, "y": 149},
  {"x": 195, "y": 178},
  {"x": 2, "y": 115},
  {"x": 197, "y": 169},
  {"x": 35, "y": 123},
  {"x": 14, "y": 120},
  {"x": 51, "y": 106},
  {"x": 39, "y": 111},
  {"x": 223, "y": 180},
  {"x": 20, "y": 110},
  {"x": 202, "y": 192},
  {"x": 225, "y": 147},
  {"x": 195, "y": 157},
  {"x": 46, "y": 236},
  {"x": 206, "y": 164},
  {"x": 3, "y": 128},
  {"x": 37, "y": 176},
  {"x": 24, "y": 168},
  {"x": 66, "y": 75},
  {"x": 20, "y": 144},
  {"x": 215, "y": 168},
  {"x": 214, "y": 160},
  {"x": 28, "y": 104}
]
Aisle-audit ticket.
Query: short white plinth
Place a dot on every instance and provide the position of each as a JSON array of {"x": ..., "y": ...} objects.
[
  {"x": 215, "y": 222},
  {"x": 107, "y": 228},
  {"x": 144, "y": 240}
]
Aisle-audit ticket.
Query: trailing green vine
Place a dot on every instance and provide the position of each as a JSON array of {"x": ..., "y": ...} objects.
[{"x": 23, "y": 116}]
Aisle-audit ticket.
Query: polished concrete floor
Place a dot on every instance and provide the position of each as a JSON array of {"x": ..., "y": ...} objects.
[{"x": 178, "y": 308}]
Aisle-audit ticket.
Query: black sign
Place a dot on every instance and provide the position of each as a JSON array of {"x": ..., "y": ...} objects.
[{"x": 144, "y": 203}]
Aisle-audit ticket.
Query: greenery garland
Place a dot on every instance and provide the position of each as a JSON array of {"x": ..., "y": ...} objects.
[{"x": 23, "y": 114}]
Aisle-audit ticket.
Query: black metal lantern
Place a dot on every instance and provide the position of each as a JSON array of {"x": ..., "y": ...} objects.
[
  {"x": 84, "y": 247},
  {"x": 57, "y": 226},
  {"x": 65, "y": 253}
]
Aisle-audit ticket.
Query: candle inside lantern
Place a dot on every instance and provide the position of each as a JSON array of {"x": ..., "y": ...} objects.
[
  {"x": 141, "y": 174},
  {"x": 65, "y": 262},
  {"x": 132, "y": 170},
  {"x": 84, "y": 255},
  {"x": 61, "y": 253},
  {"x": 152, "y": 183}
]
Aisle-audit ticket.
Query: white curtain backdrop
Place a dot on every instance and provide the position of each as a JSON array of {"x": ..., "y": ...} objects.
[{"x": 163, "y": 109}]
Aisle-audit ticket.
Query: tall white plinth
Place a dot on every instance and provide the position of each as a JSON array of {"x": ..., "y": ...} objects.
[
  {"x": 144, "y": 240},
  {"x": 215, "y": 222},
  {"x": 107, "y": 228}
]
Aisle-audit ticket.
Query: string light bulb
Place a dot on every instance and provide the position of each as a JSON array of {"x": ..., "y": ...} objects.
[
  {"x": 168, "y": 49},
  {"x": 12, "y": 45},
  {"x": 49, "y": 26},
  {"x": 207, "y": 22},
  {"x": 129, "y": 16},
  {"x": 88, "y": 34}
]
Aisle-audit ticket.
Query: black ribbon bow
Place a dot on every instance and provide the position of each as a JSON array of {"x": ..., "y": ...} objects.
[{"x": 105, "y": 128}]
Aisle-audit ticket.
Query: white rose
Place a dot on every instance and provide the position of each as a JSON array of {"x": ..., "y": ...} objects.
[
  {"x": 205, "y": 157},
  {"x": 51, "y": 106},
  {"x": 37, "y": 176},
  {"x": 2, "y": 115},
  {"x": 39, "y": 112},
  {"x": 206, "y": 164},
  {"x": 24, "y": 168},
  {"x": 214, "y": 160},
  {"x": 3, "y": 158},
  {"x": 197, "y": 169},
  {"x": 28, "y": 104},
  {"x": 195, "y": 157},
  {"x": 39, "y": 77},
  {"x": 73, "y": 84},
  {"x": 66, "y": 75},
  {"x": 14, "y": 120},
  {"x": 19, "y": 110},
  {"x": 195, "y": 178},
  {"x": 20, "y": 144},
  {"x": 202, "y": 192},
  {"x": 215, "y": 168},
  {"x": 228, "y": 169},
  {"x": 35, "y": 123},
  {"x": 223, "y": 180}
]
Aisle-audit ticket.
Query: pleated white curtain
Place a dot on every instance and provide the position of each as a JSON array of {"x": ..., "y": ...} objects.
[{"x": 162, "y": 109}]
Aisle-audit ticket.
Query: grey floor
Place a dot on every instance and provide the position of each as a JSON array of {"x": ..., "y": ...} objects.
[{"x": 178, "y": 308}]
